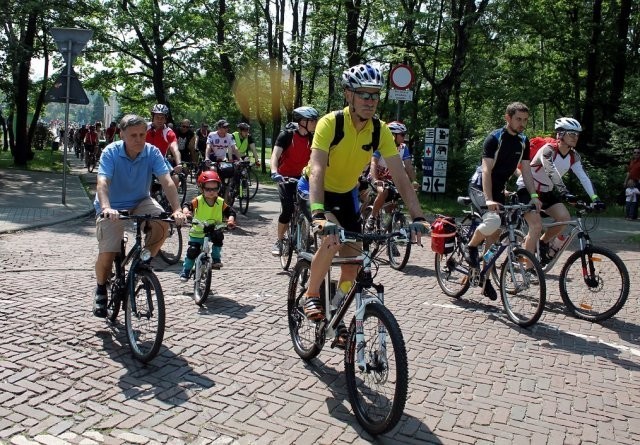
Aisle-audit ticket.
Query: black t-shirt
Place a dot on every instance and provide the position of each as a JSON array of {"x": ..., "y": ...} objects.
[
  {"x": 184, "y": 139},
  {"x": 506, "y": 150},
  {"x": 201, "y": 142}
]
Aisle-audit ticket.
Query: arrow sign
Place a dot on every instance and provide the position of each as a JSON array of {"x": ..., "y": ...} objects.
[
  {"x": 426, "y": 184},
  {"x": 439, "y": 183},
  {"x": 70, "y": 41},
  {"x": 58, "y": 92}
]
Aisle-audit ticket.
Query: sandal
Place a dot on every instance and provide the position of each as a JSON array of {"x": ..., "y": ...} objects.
[
  {"x": 314, "y": 309},
  {"x": 342, "y": 335}
]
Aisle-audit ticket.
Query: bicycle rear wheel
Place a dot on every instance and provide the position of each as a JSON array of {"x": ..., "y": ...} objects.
[
  {"x": 523, "y": 287},
  {"x": 243, "y": 196},
  {"x": 202, "y": 284},
  {"x": 377, "y": 390},
  {"x": 594, "y": 284},
  {"x": 452, "y": 271},
  {"x": 398, "y": 250},
  {"x": 144, "y": 315},
  {"x": 171, "y": 250},
  {"x": 304, "y": 333}
]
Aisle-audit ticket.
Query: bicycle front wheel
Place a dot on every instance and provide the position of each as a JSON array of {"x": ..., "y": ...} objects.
[
  {"x": 286, "y": 252},
  {"x": 171, "y": 250},
  {"x": 398, "y": 250},
  {"x": 594, "y": 284},
  {"x": 303, "y": 331},
  {"x": 523, "y": 287},
  {"x": 377, "y": 381},
  {"x": 202, "y": 284},
  {"x": 182, "y": 188},
  {"x": 252, "y": 184},
  {"x": 144, "y": 315},
  {"x": 243, "y": 196}
]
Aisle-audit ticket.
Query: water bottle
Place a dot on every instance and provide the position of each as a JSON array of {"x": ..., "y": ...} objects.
[{"x": 490, "y": 253}]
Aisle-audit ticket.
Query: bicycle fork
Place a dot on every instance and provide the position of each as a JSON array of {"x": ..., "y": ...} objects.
[{"x": 379, "y": 354}]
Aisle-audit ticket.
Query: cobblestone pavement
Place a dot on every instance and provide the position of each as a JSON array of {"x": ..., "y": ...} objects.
[{"x": 227, "y": 372}]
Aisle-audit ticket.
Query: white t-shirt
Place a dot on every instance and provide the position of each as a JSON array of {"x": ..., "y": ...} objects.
[{"x": 221, "y": 147}]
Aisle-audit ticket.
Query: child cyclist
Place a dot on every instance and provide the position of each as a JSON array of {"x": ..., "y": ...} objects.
[{"x": 207, "y": 207}]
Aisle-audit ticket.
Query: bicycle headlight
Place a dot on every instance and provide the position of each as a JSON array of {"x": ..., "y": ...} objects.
[{"x": 145, "y": 255}]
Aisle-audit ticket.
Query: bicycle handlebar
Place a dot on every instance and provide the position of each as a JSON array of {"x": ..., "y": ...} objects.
[
  {"x": 125, "y": 215},
  {"x": 346, "y": 236}
]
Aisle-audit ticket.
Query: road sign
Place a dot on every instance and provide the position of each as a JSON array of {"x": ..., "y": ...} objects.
[
  {"x": 442, "y": 136},
  {"x": 430, "y": 135},
  {"x": 401, "y": 76},
  {"x": 71, "y": 41},
  {"x": 401, "y": 95},
  {"x": 440, "y": 152},
  {"x": 428, "y": 150},
  {"x": 440, "y": 168},
  {"x": 438, "y": 185},
  {"x": 58, "y": 92},
  {"x": 427, "y": 167},
  {"x": 426, "y": 184}
]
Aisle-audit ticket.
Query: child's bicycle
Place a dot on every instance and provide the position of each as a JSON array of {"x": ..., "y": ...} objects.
[
  {"x": 522, "y": 283},
  {"x": 203, "y": 265},
  {"x": 594, "y": 282},
  {"x": 139, "y": 293},
  {"x": 375, "y": 356}
]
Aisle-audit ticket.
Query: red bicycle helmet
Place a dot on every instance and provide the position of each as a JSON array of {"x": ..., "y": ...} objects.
[{"x": 208, "y": 176}]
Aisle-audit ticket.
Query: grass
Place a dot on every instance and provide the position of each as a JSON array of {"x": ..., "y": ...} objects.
[{"x": 44, "y": 160}]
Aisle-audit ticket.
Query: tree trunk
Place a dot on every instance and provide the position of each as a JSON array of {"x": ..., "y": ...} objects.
[
  {"x": 592, "y": 75},
  {"x": 353, "y": 17},
  {"x": 619, "y": 59}
]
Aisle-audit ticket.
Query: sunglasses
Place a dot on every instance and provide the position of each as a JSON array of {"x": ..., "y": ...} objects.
[
  {"x": 210, "y": 189},
  {"x": 184, "y": 126},
  {"x": 572, "y": 133},
  {"x": 367, "y": 96}
]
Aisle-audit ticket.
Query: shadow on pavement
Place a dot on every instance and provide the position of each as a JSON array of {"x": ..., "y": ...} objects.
[
  {"x": 217, "y": 304},
  {"x": 168, "y": 377}
]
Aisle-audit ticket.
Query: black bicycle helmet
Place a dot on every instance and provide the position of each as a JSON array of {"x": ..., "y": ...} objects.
[{"x": 305, "y": 113}]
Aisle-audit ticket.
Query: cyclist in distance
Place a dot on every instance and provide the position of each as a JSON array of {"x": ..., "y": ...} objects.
[
  {"x": 379, "y": 171},
  {"x": 163, "y": 137},
  {"x": 333, "y": 180},
  {"x": 290, "y": 155},
  {"x": 245, "y": 142},
  {"x": 548, "y": 166},
  {"x": 220, "y": 144},
  {"x": 210, "y": 208},
  {"x": 123, "y": 183},
  {"x": 503, "y": 149},
  {"x": 201, "y": 143}
]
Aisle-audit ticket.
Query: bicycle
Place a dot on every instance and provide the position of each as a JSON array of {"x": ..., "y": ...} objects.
[
  {"x": 391, "y": 219},
  {"x": 298, "y": 237},
  {"x": 91, "y": 158},
  {"x": 522, "y": 282},
  {"x": 238, "y": 187},
  {"x": 252, "y": 180},
  {"x": 375, "y": 353},
  {"x": 594, "y": 281},
  {"x": 171, "y": 250},
  {"x": 138, "y": 293},
  {"x": 203, "y": 269}
]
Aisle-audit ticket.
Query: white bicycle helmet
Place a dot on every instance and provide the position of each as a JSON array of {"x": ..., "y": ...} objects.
[
  {"x": 396, "y": 127},
  {"x": 305, "y": 113},
  {"x": 362, "y": 76},
  {"x": 567, "y": 124},
  {"x": 160, "y": 109}
]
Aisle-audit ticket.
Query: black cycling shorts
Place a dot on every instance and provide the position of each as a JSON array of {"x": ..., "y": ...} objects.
[
  {"x": 345, "y": 207},
  {"x": 548, "y": 199}
]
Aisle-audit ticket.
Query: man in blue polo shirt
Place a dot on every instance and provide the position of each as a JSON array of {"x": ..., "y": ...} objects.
[{"x": 123, "y": 183}]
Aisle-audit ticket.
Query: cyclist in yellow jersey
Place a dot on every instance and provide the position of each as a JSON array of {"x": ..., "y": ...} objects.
[{"x": 333, "y": 180}]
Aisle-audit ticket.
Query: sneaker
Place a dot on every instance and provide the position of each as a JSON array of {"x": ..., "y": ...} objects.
[
  {"x": 544, "y": 253},
  {"x": 184, "y": 276},
  {"x": 216, "y": 264},
  {"x": 489, "y": 290},
  {"x": 342, "y": 334},
  {"x": 276, "y": 250},
  {"x": 100, "y": 305},
  {"x": 370, "y": 224}
]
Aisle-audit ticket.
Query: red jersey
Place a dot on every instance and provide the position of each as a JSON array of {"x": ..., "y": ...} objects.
[
  {"x": 634, "y": 169},
  {"x": 161, "y": 139},
  {"x": 91, "y": 138},
  {"x": 295, "y": 155}
]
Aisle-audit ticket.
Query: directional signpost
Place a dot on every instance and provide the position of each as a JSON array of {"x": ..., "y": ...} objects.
[
  {"x": 434, "y": 163},
  {"x": 67, "y": 88}
]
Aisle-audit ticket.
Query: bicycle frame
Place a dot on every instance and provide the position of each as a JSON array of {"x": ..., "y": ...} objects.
[{"x": 577, "y": 229}]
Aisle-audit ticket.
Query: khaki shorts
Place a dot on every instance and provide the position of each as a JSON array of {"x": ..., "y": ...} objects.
[{"x": 110, "y": 232}]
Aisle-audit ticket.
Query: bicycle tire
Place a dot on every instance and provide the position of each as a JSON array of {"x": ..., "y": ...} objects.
[
  {"x": 182, "y": 189},
  {"x": 230, "y": 194},
  {"x": 114, "y": 303},
  {"x": 495, "y": 271},
  {"x": 307, "y": 239},
  {"x": 91, "y": 163},
  {"x": 286, "y": 252},
  {"x": 403, "y": 248},
  {"x": 304, "y": 334},
  {"x": 452, "y": 271},
  {"x": 243, "y": 197},
  {"x": 518, "y": 286},
  {"x": 202, "y": 286},
  {"x": 253, "y": 183},
  {"x": 145, "y": 327},
  {"x": 377, "y": 409},
  {"x": 171, "y": 250},
  {"x": 588, "y": 298}
]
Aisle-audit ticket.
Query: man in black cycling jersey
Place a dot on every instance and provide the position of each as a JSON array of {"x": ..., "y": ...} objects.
[{"x": 503, "y": 149}]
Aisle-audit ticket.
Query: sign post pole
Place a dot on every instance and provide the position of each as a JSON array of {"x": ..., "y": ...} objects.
[{"x": 65, "y": 146}]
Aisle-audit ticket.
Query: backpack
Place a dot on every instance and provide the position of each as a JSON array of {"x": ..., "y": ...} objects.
[
  {"x": 339, "y": 134},
  {"x": 443, "y": 232},
  {"x": 535, "y": 144}
]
